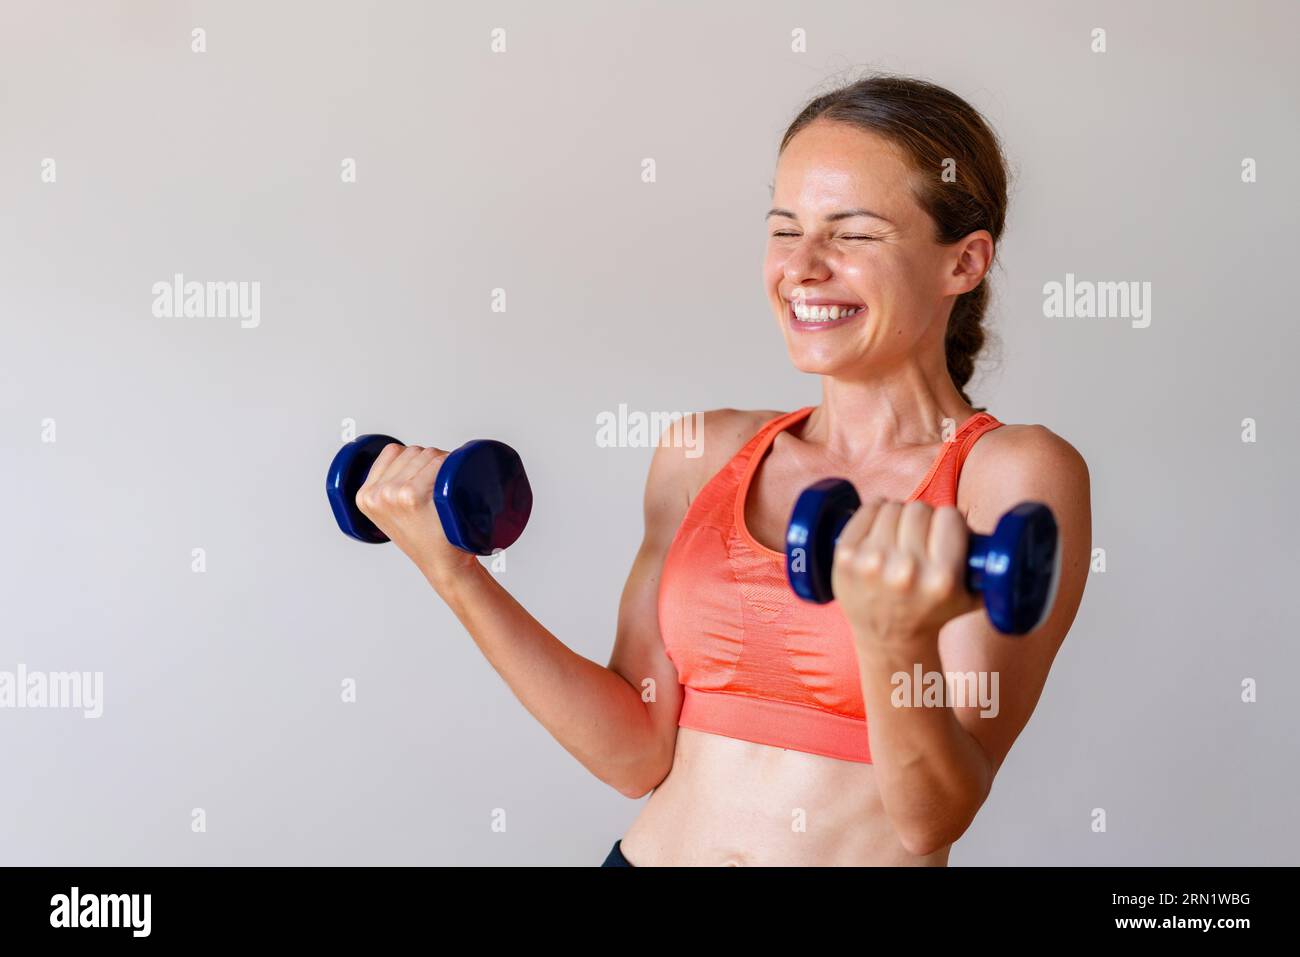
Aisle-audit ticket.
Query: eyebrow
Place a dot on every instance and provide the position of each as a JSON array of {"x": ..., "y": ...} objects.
[{"x": 831, "y": 217}]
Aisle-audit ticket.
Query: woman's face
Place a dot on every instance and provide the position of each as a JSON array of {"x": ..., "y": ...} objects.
[{"x": 845, "y": 236}]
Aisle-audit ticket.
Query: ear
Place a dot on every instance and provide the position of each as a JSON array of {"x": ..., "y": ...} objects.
[{"x": 971, "y": 257}]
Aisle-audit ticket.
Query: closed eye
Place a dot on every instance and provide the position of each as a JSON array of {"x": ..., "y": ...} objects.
[{"x": 845, "y": 236}]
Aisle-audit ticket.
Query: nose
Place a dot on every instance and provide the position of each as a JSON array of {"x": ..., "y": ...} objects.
[{"x": 804, "y": 264}]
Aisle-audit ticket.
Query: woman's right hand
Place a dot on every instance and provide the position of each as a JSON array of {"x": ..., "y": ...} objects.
[{"x": 398, "y": 497}]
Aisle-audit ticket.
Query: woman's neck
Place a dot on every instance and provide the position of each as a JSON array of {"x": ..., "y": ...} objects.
[{"x": 861, "y": 419}]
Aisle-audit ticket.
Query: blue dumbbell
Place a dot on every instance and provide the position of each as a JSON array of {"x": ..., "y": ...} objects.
[
  {"x": 1016, "y": 568},
  {"x": 481, "y": 493}
]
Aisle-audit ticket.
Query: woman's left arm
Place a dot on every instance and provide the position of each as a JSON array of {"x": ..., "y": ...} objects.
[{"x": 899, "y": 575}]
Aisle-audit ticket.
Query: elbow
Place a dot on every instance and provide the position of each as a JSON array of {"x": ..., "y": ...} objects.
[
  {"x": 634, "y": 792},
  {"x": 638, "y": 785},
  {"x": 923, "y": 838},
  {"x": 949, "y": 818},
  {"x": 923, "y": 843},
  {"x": 639, "y": 779}
]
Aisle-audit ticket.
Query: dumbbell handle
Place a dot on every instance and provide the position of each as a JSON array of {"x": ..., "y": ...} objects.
[{"x": 982, "y": 554}]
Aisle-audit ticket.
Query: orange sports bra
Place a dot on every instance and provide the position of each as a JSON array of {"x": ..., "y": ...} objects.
[{"x": 756, "y": 662}]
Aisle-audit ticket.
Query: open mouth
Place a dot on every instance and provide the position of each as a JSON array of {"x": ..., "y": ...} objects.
[{"x": 807, "y": 317}]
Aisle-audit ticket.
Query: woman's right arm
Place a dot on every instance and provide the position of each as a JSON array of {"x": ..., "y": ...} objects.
[{"x": 619, "y": 726}]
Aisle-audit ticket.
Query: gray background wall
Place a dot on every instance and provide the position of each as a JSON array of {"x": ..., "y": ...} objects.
[{"x": 521, "y": 171}]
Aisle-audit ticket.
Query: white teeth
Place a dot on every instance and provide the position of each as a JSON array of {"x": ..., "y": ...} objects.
[{"x": 823, "y": 313}]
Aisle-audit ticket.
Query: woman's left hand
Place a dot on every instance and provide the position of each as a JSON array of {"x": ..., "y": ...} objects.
[{"x": 899, "y": 571}]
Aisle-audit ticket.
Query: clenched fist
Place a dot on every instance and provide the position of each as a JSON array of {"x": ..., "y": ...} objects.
[
  {"x": 398, "y": 497},
  {"x": 899, "y": 570}
]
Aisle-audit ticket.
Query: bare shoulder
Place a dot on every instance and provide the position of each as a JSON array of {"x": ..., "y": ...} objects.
[
  {"x": 702, "y": 442},
  {"x": 728, "y": 430},
  {"x": 1016, "y": 463},
  {"x": 691, "y": 449},
  {"x": 1020, "y": 446},
  {"x": 688, "y": 451}
]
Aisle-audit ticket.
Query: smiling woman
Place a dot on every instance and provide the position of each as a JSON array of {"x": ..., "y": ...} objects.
[
  {"x": 889, "y": 200},
  {"x": 765, "y": 726},
  {"x": 938, "y": 179}
]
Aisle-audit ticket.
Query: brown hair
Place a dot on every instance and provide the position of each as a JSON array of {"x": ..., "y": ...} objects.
[{"x": 931, "y": 125}]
